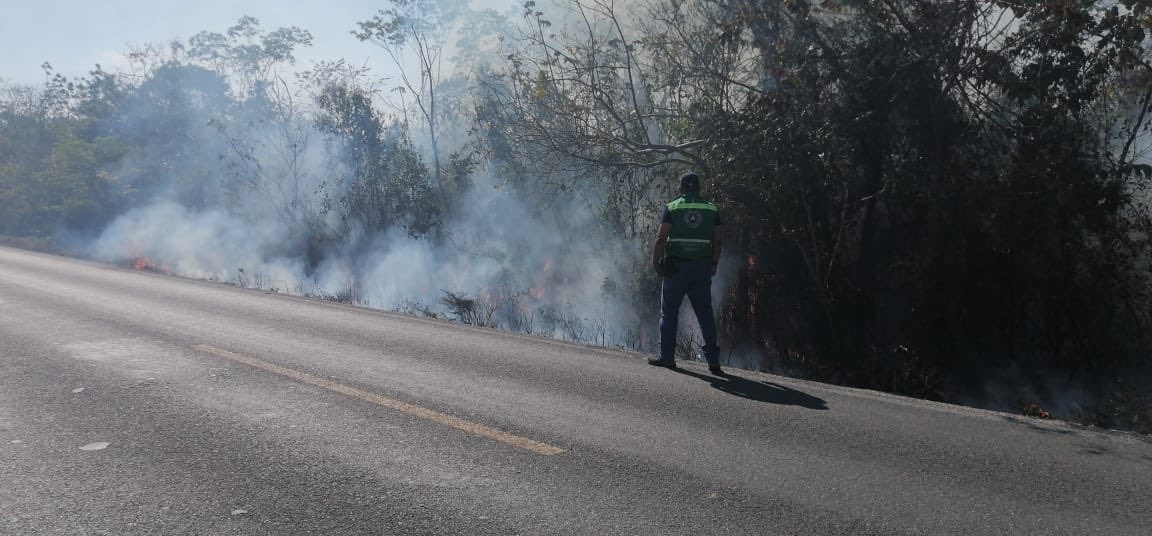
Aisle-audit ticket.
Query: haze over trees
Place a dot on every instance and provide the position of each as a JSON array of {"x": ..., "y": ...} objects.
[{"x": 942, "y": 199}]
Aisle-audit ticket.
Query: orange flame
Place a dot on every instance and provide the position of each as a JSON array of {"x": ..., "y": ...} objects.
[{"x": 146, "y": 264}]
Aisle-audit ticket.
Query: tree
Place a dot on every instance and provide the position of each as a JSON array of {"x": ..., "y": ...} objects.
[
  {"x": 268, "y": 134},
  {"x": 934, "y": 187},
  {"x": 250, "y": 56},
  {"x": 916, "y": 186},
  {"x": 388, "y": 185},
  {"x": 422, "y": 27},
  {"x": 165, "y": 121},
  {"x": 588, "y": 94}
]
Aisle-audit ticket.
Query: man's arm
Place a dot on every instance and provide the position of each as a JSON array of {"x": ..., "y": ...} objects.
[
  {"x": 661, "y": 242},
  {"x": 717, "y": 247}
]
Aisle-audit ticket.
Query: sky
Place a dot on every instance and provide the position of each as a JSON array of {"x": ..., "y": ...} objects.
[{"x": 75, "y": 35}]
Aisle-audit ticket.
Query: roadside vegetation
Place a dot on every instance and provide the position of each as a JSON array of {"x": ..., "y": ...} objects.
[{"x": 947, "y": 200}]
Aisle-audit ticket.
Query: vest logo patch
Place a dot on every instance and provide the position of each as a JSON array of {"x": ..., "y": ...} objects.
[{"x": 693, "y": 218}]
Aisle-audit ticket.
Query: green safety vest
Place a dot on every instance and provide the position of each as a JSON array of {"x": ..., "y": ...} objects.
[{"x": 692, "y": 222}]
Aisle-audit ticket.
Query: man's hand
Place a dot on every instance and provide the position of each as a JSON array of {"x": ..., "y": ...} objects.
[
  {"x": 661, "y": 267},
  {"x": 666, "y": 267}
]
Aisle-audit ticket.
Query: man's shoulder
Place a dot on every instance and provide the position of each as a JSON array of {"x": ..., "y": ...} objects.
[{"x": 693, "y": 202}]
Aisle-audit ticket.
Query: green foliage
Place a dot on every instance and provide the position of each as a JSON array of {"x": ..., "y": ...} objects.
[
  {"x": 920, "y": 192},
  {"x": 905, "y": 219},
  {"x": 165, "y": 121},
  {"x": 388, "y": 186},
  {"x": 248, "y": 54},
  {"x": 422, "y": 28},
  {"x": 54, "y": 164},
  {"x": 402, "y": 22}
]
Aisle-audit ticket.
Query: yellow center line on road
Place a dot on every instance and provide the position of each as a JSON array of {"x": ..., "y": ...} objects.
[{"x": 391, "y": 403}]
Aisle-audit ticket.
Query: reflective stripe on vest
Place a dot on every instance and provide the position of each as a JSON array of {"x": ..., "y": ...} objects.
[{"x": 682, "y": 204}]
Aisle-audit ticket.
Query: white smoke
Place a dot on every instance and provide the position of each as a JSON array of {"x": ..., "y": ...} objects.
[
  {"x": 507, "y": 257},
  {"x": 209, "y": 244},
  {"x": 553, "y": 270}
]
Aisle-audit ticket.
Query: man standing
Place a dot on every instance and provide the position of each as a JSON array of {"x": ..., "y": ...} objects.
[{"x": 685, "y": 254}]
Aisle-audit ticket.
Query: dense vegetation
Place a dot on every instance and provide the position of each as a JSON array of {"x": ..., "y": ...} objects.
[{"x": 942, "y": 199}]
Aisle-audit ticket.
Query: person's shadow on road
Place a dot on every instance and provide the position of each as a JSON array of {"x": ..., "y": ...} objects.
[{"x": 759, "y": 391}]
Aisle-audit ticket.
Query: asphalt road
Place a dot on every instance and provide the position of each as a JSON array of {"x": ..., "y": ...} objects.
[{"x": 136, "y": 403}]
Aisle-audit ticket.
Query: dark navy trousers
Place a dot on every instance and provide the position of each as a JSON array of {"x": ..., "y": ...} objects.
[{"x": 694, "y": 280}]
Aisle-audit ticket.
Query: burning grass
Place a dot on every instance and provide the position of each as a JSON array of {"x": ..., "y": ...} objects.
[{"x": 147, "y": 264}]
